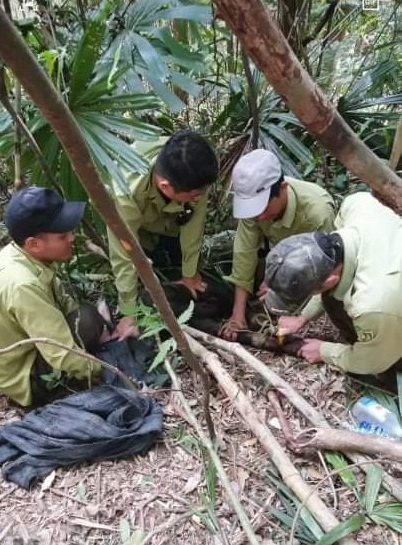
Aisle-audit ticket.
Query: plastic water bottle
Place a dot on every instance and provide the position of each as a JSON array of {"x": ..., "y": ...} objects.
[{"x": 373, "y": 418}]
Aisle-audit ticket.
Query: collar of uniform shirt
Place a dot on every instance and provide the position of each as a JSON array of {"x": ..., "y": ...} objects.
[
  {"x": 45, "y": 272},
  {"x": 350, "y": 241}
]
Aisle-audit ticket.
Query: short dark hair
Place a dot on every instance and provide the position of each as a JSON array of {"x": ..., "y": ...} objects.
[
  {"x": 187, "y": 162},
  {"x": 275, "y": 189}
]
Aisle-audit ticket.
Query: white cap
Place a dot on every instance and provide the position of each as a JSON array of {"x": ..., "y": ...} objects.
[{"x": 252, "y": 178}]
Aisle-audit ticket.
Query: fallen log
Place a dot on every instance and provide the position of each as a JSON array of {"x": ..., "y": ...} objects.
[
  {"x": 334, "y": 439},
  {"x": 279, "y": 457},
  {"x": 392, "y": 485},
  {"x": 346, "y": 441}
]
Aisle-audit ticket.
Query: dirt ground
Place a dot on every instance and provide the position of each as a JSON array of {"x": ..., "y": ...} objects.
[{"x": 172, "y": 491}]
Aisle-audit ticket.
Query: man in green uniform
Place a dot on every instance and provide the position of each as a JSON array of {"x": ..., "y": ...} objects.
[
  {"x": 33, "y": 302},
  {"x": 357, "y": 270},
  {"x": 169, "y": 201},
  {"x": 270, "y": 207}
]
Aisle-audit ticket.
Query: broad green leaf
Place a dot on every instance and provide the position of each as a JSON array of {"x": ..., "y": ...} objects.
[
  {"x": 87, "y": 55},
  {"x": 373, "y": 482},
  {"x": 179, "y": 54},
  {"x": 153, "y": 60},
  {"x": 169, "y": 98},
  {"x": 289, "y": 141},
  {"x": 129, "y": 127},
  {"x": 342, "y": 530},
  {"x": 127, "y": 102},
  {"x": 187, "y": 314},
  {"x": 199, "y": 14},
  {"x": 389, "y": 514},
  {"x": 339, "y": 462},
  {"x": 163, "y": 350},
  {"x": 184, "y": 82}
]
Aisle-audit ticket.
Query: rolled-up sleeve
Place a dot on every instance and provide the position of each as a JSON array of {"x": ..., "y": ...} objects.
[
  {"x": 378, "y": 347},
  {"x": 191, "y": 238},
  {"x": 36, "y": 314}
]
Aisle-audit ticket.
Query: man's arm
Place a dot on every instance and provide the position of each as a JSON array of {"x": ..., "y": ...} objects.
[
  {"x": 38, "y": 317},
  {"x": 126, "y": 277},
  {"x": 191, "y": 238},
  {"x": 248, "y": 241},
  {"x": 378, "y": 347}
]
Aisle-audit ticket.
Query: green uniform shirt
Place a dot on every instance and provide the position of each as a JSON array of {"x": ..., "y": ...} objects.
[
  {"x": 370, "y": 286},
  {"x": 309, "y": 208},
  {"x": 32, "y": 304},
  {"x": 148, "y": 214}
]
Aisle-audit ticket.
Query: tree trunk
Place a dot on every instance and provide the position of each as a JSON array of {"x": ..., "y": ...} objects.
[
  {"x": 15, "y": 53},
  {"x": 268, "y": 48}
]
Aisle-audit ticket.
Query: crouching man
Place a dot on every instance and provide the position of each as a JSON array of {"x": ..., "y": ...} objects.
[
  {"x": 270, "y": 207},
  {"x": 33, "y": 302},
  {"x": 357, "y": 272}
]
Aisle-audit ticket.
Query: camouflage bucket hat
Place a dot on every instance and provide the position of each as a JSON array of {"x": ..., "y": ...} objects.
[{"x": 295, "y": 268}]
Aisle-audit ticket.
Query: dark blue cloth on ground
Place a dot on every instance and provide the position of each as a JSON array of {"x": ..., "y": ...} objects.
[
  {"x": 105, "y": 423},
  {"x": 134, "y": 357}
]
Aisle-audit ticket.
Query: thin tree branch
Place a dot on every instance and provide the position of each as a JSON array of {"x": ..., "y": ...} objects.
[
  {"x": 223, "y": 476},
  {"x": 131, "y": 382},
  {"x": 252, "y": 100}
]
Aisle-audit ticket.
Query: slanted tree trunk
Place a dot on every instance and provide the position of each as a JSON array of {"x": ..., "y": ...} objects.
[
  {"x": 270, "y": 52},
  {"x": 18, "y": 57}
]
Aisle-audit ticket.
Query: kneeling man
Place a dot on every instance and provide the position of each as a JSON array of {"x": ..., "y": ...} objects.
[{"x": 33, "y": 302}]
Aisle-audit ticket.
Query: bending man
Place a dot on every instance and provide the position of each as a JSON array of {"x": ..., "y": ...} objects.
[
  {"x": 357, "y": 270},
  {"x": 170, "y": 202},
  {"x": 270, "y": 207}
]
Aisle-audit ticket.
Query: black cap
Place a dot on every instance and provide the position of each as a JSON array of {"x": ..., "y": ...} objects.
[{"x": 38, "y": 210}]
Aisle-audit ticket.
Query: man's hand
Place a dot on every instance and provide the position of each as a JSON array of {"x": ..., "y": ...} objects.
[
  {"x": 288, "y": 325},
  {"x": 262, "y": 291},
  {"x": 231, "y": 328},
  {"x": 125, "y": 329},
  {"x": 311, "y": 350},
  {"x": 194, "y": 284}
]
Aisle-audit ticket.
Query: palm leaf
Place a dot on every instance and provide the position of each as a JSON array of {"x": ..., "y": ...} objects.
[
  {"x": 342, "y": 530},
  {"x": 87, "y": 54}
]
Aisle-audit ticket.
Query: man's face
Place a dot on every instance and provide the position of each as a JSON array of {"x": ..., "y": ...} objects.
[
  {"x": 180, "y": 196},
  {"x": 51, "y": 247},
  {"x": 275, "y": 207}
]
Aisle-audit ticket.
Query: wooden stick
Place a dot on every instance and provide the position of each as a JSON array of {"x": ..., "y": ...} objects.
[
  {"x": 279, "y": 457},
  {"x": 347, "y": 441},
  {"x": 392, "y": 485},
  {"x": 223, "y": 476},
  {"x": 334, "y": 439}
]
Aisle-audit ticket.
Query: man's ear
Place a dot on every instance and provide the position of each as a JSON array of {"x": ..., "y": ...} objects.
[
  {"x": 332, "y": 280},
  {"x": 31, "y": 245}
]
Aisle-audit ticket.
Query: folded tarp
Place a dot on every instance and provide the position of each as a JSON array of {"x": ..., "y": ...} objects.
[{"x": 106, "y": 423}]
